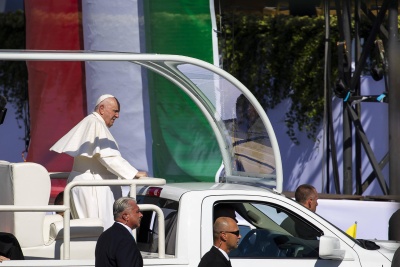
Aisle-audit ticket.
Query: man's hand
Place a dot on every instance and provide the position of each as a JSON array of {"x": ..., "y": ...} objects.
[
  {"x": 140, "y": 174},
  {"x": 2, "y": 258}
]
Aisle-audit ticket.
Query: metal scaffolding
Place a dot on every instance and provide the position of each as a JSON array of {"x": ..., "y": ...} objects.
[{"x": 348, "y": 88}]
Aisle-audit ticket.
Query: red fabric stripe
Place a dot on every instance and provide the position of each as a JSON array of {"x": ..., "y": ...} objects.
[{"x": 57, "y": 96}]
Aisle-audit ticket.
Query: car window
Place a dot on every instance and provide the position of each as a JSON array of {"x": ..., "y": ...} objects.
[
  {"x": 147, "y": 233},
  {"x": 275, "y": 232},
  {"x": 243, "y": 229}
]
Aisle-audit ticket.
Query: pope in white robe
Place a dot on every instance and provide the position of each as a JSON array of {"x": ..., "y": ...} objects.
[{"x": 96, "y": 157}]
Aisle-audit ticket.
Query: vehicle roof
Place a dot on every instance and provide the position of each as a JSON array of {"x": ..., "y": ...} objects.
[{"x": 174, "y": 191}]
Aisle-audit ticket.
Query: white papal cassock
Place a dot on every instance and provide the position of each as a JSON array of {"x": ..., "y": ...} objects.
[{"x": 96, "y": 157}]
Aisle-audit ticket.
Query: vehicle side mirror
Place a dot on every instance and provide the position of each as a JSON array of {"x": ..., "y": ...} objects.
[{"x": 329, "y": 248}]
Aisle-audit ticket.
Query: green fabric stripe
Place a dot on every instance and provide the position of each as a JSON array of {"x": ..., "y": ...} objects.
[{"x": 184, "y": 146}]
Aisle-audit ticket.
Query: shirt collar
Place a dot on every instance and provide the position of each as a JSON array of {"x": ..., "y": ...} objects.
[
  {"x": 127, "y": 228},
  {"x": 223, "y": 253}
]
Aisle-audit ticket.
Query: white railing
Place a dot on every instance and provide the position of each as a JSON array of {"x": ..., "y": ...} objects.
[{"x": 67, "y": 210}]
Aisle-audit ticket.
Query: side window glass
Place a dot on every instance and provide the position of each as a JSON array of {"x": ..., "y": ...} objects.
[
  {"x": 273, "y": 232},
  {"x": 147, "y": 233}
]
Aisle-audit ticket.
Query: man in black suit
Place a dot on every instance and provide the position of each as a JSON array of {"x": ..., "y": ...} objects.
[
  {"x": 116, "y": 247},
  {"x": 396, "y": 258},
  {"x": 10, "y": 248},
  {"x": 226, "y": 237}
]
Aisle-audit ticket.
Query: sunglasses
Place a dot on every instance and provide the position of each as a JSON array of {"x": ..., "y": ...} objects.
[{"x": 236, "y": 233}]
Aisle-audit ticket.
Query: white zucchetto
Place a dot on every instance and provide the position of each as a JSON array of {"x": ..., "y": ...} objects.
[{"x": 101, "y": 98}]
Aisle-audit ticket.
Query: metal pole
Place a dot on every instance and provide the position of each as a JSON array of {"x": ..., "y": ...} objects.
[
  {"x": 394, "y": 96},
  {"x": 357, "y": 49},
  {"x": 347, "y": 153},
  {"x": 328, "y": 100},
  {"x": 347, "y": 133}
]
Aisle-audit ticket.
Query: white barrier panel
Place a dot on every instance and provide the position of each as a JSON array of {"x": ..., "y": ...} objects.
[{"x": 372, "y": 217}]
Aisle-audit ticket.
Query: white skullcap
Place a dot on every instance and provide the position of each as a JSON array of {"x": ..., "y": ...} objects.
[{"x": 101, "y": 98}]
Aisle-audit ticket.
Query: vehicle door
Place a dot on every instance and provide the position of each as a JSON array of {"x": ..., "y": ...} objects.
[{"x": 280, "y": 234}]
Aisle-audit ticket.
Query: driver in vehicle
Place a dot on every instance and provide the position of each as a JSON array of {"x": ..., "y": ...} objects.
[{"x": 307, "y": 196}]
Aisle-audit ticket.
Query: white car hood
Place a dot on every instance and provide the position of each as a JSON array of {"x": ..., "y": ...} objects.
[{"x": 387, "y": 247}]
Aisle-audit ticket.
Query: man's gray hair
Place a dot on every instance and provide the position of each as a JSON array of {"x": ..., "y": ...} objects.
[{"x": 120, "y": 205}]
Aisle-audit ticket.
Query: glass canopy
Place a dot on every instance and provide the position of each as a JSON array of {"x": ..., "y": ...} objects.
[{"x": 246, "y": 139}]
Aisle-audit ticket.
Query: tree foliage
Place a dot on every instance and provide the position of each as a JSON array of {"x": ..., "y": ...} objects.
[
  {"x": 282, "y": 57},
  {"x": 13, "y": 74},
  {"x": 279, "y": 57}
]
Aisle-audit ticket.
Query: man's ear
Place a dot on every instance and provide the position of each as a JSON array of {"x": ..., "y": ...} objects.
[
  {"x": 222, "y": 237},
  {"x": 309, "y": 201},
  {"x": 101, "y": 109}
]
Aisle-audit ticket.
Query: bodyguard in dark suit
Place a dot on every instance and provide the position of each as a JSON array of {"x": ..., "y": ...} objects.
[
  {"x": 226, "y": 238},
  {"x": 116, "y": 247},
  {"x": 214, "y": 258}
]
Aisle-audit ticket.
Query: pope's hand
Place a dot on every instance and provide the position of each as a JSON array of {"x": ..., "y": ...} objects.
[{"x": 141, "y": 174}]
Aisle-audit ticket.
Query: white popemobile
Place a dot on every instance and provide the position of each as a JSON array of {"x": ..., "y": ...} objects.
[{"x": 176, "y": 229}]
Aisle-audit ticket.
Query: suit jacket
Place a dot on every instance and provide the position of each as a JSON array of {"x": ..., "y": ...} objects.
[
  {"x": 116, "y": 247},
  {"x": 214, "y": 258},
  {"x": 396, "y": 258},
  {"x": 9, "y": 247}
]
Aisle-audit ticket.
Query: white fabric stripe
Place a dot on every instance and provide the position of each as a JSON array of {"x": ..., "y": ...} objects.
[
  {"x": 214, "y": 33},
  {"x": 115, "y": 26}
]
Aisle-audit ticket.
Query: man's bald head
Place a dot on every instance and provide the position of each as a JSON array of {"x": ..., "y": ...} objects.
[{"x": 226, "y": 234}]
